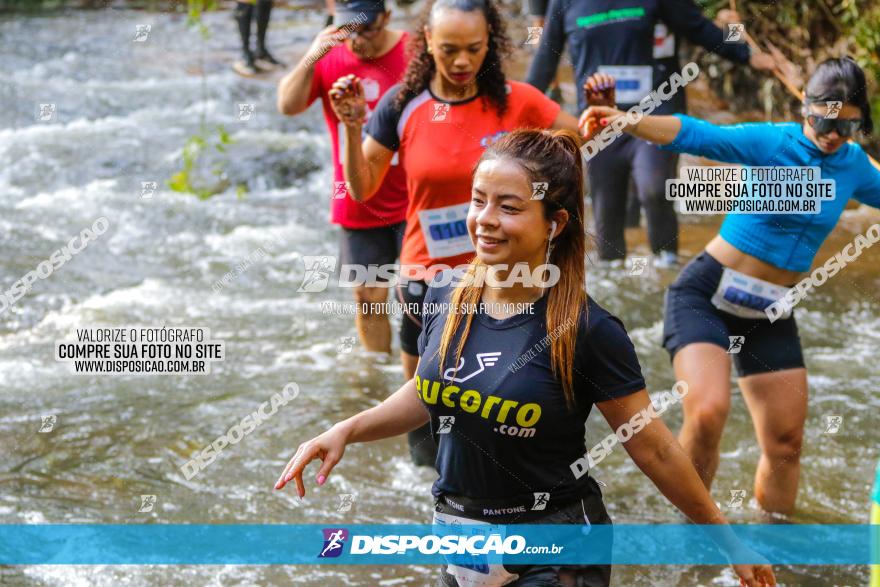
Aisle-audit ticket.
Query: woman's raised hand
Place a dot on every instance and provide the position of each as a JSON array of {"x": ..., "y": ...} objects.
[
  {"x": 599, "y": 89},
  {"x": 347, "y": 100},
  {"x": 595, "y": 118}
]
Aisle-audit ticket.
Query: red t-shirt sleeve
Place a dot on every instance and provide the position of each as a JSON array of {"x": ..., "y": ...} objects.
[{"x": 537, "y": 110}]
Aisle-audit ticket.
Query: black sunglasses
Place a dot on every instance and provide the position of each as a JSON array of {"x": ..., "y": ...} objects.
[{"x": 845, "y": 127}]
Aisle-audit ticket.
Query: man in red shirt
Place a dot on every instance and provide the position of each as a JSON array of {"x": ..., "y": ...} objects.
[{"x": 372, "y": 231}]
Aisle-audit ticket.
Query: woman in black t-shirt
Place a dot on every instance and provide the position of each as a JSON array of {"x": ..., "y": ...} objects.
[{"x": 512, "y": 359}]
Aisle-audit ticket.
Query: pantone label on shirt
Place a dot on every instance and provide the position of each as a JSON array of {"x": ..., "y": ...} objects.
[
  {"x": 445, "y": 231},
  {"x": 633, "y": 82}
]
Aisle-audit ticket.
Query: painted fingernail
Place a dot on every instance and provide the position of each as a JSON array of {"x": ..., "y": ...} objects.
[{"x": 321, "y": 479}]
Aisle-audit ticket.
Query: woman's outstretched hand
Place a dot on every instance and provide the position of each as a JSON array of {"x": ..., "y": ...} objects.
[
  {"x": 348, "y": 101},
  {"x": 755, "y": 575},
  {"x": 328, "y": 447},
  {"x": 595, "y": 118}
]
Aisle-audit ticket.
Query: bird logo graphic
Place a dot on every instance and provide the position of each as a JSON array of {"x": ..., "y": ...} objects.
[{"x": 484, "y": 360}]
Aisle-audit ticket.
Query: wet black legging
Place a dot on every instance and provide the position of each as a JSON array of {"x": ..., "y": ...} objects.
[
  {"x": 244, "y": 13},
  {"x": 609, "y": 172}
]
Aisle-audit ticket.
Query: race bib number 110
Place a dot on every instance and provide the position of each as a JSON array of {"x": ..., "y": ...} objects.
[{"x": 445, "y": 231}]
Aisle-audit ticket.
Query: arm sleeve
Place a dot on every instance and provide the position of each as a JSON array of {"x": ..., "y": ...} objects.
[
  {"x": 606, "y": 365},
  {"x": 746, "y": 144},
  {"x": 868, "y": 191},
  {"x": 538, "y": 110},
  {"x": 382, "y": 125},
  {"x": 685, "y": 19},
  {"x": 546, "y": 61}
]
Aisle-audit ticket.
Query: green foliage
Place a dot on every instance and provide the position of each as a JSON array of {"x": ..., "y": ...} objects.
[
  {"x": 198, "y": 147},
  {"x": 194, "y": 11}
]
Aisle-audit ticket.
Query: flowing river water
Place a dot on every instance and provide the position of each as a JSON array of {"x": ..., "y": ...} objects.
[{"x": 123, "y": 111}]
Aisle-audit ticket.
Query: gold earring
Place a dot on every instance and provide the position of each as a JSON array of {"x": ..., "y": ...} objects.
[{"x": 429, "y": 50}]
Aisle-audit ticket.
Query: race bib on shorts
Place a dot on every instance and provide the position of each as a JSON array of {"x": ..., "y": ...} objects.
[
  {"x": 445, "y": 231},
  {"x": 745, "y": 296},
  {"x": 632, "y": 82},
  {"x": 479, "y": 570}
]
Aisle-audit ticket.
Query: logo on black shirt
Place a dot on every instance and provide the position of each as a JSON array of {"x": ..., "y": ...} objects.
[
  {"x": 509, "y": 417},
  {"x": 484, "y": 359}
]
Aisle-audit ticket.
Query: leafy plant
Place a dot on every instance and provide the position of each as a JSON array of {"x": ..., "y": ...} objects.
[
  {"x": 215, "y": 138},
  {"x": 194, "y": 11}
]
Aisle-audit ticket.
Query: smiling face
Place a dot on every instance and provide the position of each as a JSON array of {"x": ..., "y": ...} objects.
[
  {"x": 830, "y": 142},
  {"x": 505, "y": 224},
  {"x": 459, "y": 42}
]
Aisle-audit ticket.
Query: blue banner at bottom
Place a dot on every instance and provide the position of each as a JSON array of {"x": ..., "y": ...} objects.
[{"x": 475, "y": 546}]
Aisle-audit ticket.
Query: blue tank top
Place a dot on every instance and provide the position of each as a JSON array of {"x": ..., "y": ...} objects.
[{"x": 787, "y": 241}]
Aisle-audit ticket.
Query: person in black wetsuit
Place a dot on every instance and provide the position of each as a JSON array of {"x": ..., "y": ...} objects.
[
  {"x": 620, "y": 42},
  {"x": 513, "y": 389}
]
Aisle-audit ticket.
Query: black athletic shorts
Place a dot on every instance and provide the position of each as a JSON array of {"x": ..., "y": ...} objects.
[
  {"x": 547, "y": 575},
  {"x": 691, "y": 317},
  {"x": 371, "y": 246},
  {"x": 412, "y": 295}
]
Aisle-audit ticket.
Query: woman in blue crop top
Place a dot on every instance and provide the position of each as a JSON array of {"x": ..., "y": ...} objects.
[
  {"x": 722, "y": 304},
  {"x": 507, "y": 390}
]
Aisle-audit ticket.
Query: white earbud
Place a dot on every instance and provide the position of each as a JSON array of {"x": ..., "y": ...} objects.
[{"x": 549, "y": 248}]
